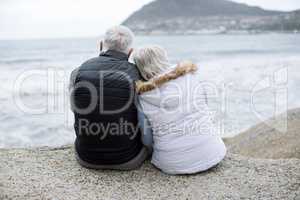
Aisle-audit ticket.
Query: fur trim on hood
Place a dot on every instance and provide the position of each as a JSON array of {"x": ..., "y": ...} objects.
[{"x": 182, "y": 69}]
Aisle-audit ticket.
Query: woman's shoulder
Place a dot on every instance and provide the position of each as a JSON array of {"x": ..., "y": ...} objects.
[{"x": 177, "y": 71}]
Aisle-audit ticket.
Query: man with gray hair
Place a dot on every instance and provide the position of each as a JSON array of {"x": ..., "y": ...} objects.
[{"x": 103, "y": 101}]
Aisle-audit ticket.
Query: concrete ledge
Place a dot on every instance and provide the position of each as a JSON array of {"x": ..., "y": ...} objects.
[{"x": 53, "y": 174}]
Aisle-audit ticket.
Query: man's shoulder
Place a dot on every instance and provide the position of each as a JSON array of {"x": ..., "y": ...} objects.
[
  {"x": 132, "y": 65},
  {"x": 92, "y": 60},
  {"x": 134, "y": 70},
  {"x": 106, "y": 62},
  {"x": 103, "y": 59}
]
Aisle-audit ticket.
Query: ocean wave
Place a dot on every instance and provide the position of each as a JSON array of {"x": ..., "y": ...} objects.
[
  {"x": 19, "y": 61},
  {"x": 242, "y": 52}
]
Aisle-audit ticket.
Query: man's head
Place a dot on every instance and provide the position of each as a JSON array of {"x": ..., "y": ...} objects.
[{"x": 118, "y": 38}]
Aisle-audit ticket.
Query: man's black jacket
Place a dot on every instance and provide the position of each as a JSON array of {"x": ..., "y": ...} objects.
[{"x": 103, "y": 102}]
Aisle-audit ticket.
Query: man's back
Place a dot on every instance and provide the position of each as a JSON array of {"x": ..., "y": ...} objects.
[{"x": 105, "y": 113}]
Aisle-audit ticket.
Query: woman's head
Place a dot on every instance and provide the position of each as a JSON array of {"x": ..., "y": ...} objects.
[{"x": 151, "y": 61}]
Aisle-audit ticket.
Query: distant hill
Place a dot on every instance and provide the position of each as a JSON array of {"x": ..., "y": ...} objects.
[
  {"x": 166, "y": 9},
  {"x": 201, "y": 16},
  {"x": 264, "y": 141}
]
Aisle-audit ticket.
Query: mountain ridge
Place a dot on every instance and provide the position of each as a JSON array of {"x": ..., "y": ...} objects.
[
  {"x": 198, "y": 8},
  {"x": 199, "y": 15}
]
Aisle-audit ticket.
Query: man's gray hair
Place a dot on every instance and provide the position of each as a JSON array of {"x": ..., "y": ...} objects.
[
  {"x": 118, "y": 38},
  {"x": 151, "y": 61}
]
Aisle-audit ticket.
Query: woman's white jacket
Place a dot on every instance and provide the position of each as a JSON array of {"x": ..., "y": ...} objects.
[{"x": 185, "y": 140}]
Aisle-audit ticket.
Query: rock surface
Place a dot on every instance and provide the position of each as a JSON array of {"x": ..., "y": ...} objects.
[
  {"x": 275, "y": 138},
  {"x": 53, "y": 174}
]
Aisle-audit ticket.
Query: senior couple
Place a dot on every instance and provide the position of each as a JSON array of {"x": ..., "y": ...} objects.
[{"x": 126, "y": 112}]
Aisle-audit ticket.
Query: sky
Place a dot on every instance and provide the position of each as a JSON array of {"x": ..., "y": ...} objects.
[{"x": 26, "y": 19}]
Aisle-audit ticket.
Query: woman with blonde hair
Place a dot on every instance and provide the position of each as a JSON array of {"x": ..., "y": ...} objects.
[{"x": 185, "y": 141}]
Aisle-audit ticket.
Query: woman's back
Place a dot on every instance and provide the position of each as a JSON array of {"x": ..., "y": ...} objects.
[{"x": 185, "y": 139}]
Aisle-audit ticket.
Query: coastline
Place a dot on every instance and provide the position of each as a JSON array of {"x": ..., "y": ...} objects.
[{"x": 200, "y": 33}]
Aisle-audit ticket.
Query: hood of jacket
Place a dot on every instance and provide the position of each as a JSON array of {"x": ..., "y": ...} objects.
[{"x": 181, "y": 69}]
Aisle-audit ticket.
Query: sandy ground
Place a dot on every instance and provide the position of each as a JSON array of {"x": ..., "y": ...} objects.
[
  {"x": 54, "y": 174},
  {"x": 270, "y": 139}
]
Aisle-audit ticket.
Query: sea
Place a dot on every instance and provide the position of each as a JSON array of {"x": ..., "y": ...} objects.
[{"x": 248, "y": 78}]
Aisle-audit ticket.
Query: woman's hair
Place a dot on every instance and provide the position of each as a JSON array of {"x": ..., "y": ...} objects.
[{"x": 151, "y": 61}]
